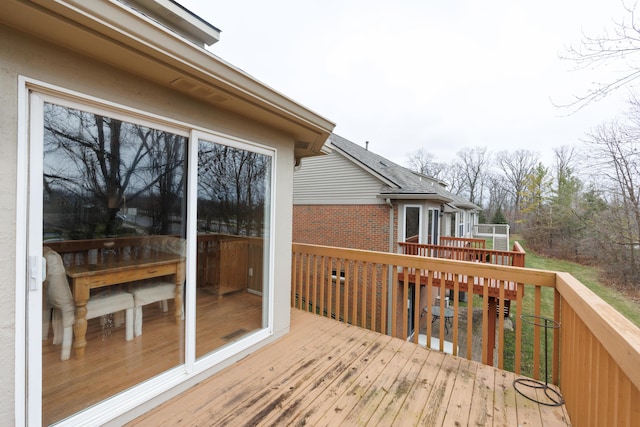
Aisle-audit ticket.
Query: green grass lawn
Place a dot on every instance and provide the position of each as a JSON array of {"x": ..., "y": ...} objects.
[{"x": 590, "y": 277}]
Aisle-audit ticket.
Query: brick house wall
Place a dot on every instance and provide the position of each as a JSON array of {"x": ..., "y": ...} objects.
[{"x": 347, "y": 226}]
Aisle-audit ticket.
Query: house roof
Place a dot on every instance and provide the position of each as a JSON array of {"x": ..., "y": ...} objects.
[
  {"x": 398, "y": 181},
  {"x": 179, "y": 19}
]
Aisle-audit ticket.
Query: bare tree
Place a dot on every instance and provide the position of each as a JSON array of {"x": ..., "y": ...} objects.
[
  {"x": 424, "y": 162},
  {"x": 615, "y": 156},
  {"x": 565, "y": 161},
  {"x": 454, "y": 177},
  {"x": 474, "y": 167},
  {"x": 499, "y": 194},
  {"x": 97, "y": 161},
  {"x": 232, "y": 182},
  {"x": 517, "y": 166},
  {"x": 535, "y": 207},
  {"x": 620, "y": 45}
]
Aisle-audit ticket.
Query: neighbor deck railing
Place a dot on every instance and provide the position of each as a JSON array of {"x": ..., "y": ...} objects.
[
  {"x": 595, "y": 356},
  {"x": 462, "y": 242},
  {"x": 514, "y": 257}
]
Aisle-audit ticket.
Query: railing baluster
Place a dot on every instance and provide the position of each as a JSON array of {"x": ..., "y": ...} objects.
[
  {"x": 330, "y": 297},
  {"x": 555, "y": 363},
  {"x": 357, "y": 265},
  {"x": 394, "y": 300},
  {"x": 374, "y": 293},
  {"x": 339, "y": 270},
  {"x": 456, "y": 304},
  {"x": 518, "y": 337},
  {"x": 294, "y": 276},
  {"x": 416, "y": 306},
  {"x": 323, "y": 268},
  {"x": 346, "y": 290},
  {"x": 307, "y": 288},
  {"x": 470, "y": 337},
  {"x": 314, "y": 290},
  {"x": 404, "y": 311},
  {"x": 501, "y": 304},
  {"x": 384, "y": 281},
  {"x": 536, "y": 333},
  {"x": 443, "y": 299},
  {"x": 485, "y": 321}
]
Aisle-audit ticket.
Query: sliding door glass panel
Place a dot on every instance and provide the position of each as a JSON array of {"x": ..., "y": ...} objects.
[
  {"x": 114, "y": 217},
  {"x": 234, "y": 200}
]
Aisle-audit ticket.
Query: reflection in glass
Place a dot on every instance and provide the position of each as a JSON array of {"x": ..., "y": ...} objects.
[
  {"x": 433, "y": 227},
  {"x": 412, "y": 224},
  {"x": 113, "y": 209},
  {"x": 233, "y": 205}
]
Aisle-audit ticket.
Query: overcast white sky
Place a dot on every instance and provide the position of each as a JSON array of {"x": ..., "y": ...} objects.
[{"x": 441, "y": 75}]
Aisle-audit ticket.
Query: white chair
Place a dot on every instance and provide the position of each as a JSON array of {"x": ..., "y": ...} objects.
[
  {"x": 58, "y": 297},
  {"x": 158, "y": 289}
]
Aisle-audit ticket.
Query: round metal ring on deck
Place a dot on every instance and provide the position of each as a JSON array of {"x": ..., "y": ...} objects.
[{"x": 555, "y": 398}]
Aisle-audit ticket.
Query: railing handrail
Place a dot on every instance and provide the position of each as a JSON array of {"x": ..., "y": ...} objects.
[{"x": 503, "y": 272}]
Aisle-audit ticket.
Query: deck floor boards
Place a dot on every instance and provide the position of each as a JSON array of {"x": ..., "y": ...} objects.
[{"x": 328, "y": 373}]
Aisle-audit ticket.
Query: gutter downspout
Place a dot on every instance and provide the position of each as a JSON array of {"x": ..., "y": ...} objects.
[{"x": 390, "y": 311}]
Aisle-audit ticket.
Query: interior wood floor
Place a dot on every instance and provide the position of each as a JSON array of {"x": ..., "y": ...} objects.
[
  {"x": 111, "y": 364},
  {"x": 327, "y": 373}
]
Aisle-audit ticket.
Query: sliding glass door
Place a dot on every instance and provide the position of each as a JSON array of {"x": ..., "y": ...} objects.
[
  {"x": 234, "y": 201},
  {"x": 145, "y": 280}
]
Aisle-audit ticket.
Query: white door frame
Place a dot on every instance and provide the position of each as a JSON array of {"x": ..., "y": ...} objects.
[{"x": 29, "y": 225}]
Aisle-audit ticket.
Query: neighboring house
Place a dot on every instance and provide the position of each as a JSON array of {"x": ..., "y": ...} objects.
[
  {"x": 354, "y": 198},
  {"x": 103, "y": 103}
]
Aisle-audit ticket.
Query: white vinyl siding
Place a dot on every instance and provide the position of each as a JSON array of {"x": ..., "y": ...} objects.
[{"x": 333, "y": 179}]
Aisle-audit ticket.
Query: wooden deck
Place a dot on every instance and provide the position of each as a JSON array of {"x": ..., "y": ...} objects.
[{"x": 329, "y": 373}]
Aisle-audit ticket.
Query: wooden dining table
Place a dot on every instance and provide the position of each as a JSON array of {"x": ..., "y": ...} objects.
[{"x": 83, "y": 278}]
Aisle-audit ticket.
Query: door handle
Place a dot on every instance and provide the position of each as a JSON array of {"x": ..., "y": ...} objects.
[{"x": 37, "y": 271}]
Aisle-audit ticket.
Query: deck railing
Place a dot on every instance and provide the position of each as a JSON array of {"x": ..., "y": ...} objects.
[{"x": 594, "y": 355}]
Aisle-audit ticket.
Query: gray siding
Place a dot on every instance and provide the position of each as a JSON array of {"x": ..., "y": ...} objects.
[{"x": 333, "y": 179}]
